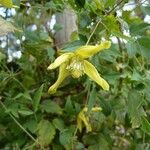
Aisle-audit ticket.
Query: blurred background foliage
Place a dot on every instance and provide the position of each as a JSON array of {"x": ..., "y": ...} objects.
[{"x": 30, "y": 118}]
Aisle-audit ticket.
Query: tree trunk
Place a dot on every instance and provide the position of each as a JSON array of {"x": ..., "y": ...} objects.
[{"x": 67, "y": 20}]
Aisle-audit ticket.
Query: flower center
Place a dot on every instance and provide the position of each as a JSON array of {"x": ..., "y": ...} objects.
[{"x": 76, "y": 67}]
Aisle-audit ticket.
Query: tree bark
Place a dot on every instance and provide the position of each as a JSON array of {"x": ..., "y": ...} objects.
[{"x": 67, "y": 20}]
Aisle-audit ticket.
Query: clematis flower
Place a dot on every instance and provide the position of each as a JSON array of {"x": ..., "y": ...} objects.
[
  {"x": 8, "y": 4},
  {"x": 75, "y": 64},
  {"x": 83, "y": 118}
]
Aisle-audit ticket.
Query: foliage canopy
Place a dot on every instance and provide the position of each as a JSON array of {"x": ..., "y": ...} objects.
[{"x": 30, "y": 118}]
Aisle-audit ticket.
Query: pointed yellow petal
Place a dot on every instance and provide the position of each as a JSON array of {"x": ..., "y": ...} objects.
[
  {"x": 85, "y": 119},
  {"x": 7, "y": 3},
  {"x": 15, "y": 6},
  {"x": 61, "y": 59},
  {"x": 79, "y": 123},
  {"x": 96, "y": 109},
  {"x": 89, "y": 50},
  {"x": 87, "y": 124},
  {"x": 63, "y": 73},
  {"x": 91, "y": 71}
]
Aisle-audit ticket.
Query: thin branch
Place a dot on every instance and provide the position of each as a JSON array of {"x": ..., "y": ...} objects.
[
  {"x": 93, "y": 32},
  {"x": 100, "y": 20},
  {"x": 114, "y": 7}
]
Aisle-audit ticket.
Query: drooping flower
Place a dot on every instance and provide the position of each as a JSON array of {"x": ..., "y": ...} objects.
[
  {"x": 8, "y": 4},
  {"x": 83, "y": 118},
  {"x": 75, "y": 64}
]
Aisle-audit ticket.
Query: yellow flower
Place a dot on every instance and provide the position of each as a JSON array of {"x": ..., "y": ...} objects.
[
  {"x": 83, "y": 118},
  {"x": 74, "y": 64},
  {"x": 7, "y": 4}
]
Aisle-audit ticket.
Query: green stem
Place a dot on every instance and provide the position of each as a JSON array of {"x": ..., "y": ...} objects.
[{"x": 93, "y": 32}]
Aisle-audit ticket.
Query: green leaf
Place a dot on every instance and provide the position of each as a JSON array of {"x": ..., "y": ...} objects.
[
  {"x": 112, "y": 24},
  {"x": 132, "y": 48},
  {"x": 46, "y": 132},
  {"x": 79, "y": 146},
  {"x": 72, "y": 46},
  {"x": 146, "y": 10},
  {"x": 106, "y": 107},
  {"x": 24, "y": 95},
  {"x": 50, "y": 53},
  {"x": 13, "y": 108},
  {"x": 92, "y": 98},
  {"x": 139, "y": 29},
  {"x": 109, "y": 3},
  {"x": 98, "y": 4},
  {"x": 136, "y": 76},
  {"x": 144, "y": 46},
  {"x": 25, "y": 112},
  {"x": 66, "y": 138},
  {"x": 59, "y": 124},
  {"x": 69, "y": 107},
  {"x": 134, "y": 106},
  {"x": 80, "y": 3},
  {"x": 57, "y": 27},
  {"x": 145, "y": 125},
  {"x": 51, "y": 107},
  {"x": 84, "y": 20},
  {"x": 120, "y": 35},
  {"x": 97, "y": 142},
  {"x": 31, "y": 125},
  {"x": 2, "y": 56},
  {"x": 37, "y": 98}
]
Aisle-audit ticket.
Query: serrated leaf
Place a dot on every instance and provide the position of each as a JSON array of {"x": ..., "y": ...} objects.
[
  {"x": 59, "y": 124},
  {"x": 145, "y": 125},
  {"x": 37, "y": 98},
  {"x": 97, "y": 141},
  {"x": 51, "y": 107},
  {"x": 135, "y": 109},
  {"x": 46, "y": 132},
  {"x": 66, "y": 138},
  {"x": 5, "y": 27}
]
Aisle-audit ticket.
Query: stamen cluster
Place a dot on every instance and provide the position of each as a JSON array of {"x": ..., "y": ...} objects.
[{"x": 75, "y": 67}]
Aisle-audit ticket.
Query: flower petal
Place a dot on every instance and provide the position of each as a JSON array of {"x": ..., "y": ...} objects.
[
  {"x": 63, "y": 73},
  {"x": 7, "y": 3},
  {"x": 79, "y": 123},
  {"x": 91, "y": 71},
  {"x": 89, "y": 50},
  {"x": 85, "y": 119},
  {"x": 96, "y": 109},
  {"x": 61, "y": 59}
]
